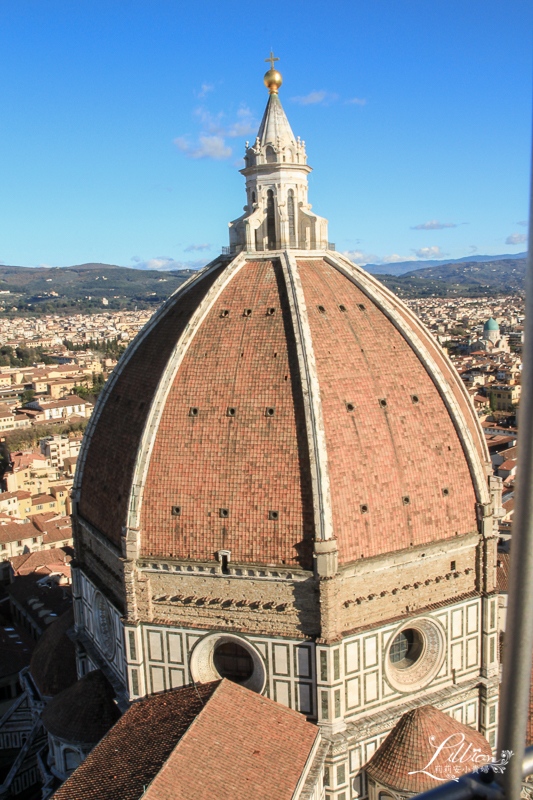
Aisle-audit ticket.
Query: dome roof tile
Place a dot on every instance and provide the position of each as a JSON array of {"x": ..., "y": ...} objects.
[
  {"x": 83, "y": 713},
  {"x": 401, "y": 763},
  {"x": 371, "y": 437}
]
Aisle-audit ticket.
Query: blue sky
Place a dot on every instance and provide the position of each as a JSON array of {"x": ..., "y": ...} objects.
[{"x": 123, "y": 123}]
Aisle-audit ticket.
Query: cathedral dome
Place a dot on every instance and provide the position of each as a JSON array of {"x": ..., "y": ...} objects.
[
  {"x": 490, "y": 325},
  {"x": 274, "y": 401},
  {"x": 281, "y": 397},
  {"x": 84, "y": 712},
  {"x": 425, "y": 748}
]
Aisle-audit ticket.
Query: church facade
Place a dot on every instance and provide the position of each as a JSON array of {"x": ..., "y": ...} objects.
[{"x": 284, "y": 483}]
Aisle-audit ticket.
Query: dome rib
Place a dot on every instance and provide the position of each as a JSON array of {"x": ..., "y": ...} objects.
[{"x": 313, "y": 405}]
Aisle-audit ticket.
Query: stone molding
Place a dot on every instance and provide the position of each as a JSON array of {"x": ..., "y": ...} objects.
[
  {"x": 312, "y": 403},
  {"x": 422, "y": 672},
  {"x": 203, "y": 669}
]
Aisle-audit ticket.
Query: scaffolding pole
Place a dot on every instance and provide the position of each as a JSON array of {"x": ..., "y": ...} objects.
[{"x": 518, "y": 648}]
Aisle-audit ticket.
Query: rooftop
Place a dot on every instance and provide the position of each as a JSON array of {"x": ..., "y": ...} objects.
[{"x": 216, "y": 740}]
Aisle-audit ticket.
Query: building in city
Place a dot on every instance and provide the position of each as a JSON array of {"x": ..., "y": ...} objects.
[
  {"x": 491, "y": 340},
  {"x": 285, "y": 484}
]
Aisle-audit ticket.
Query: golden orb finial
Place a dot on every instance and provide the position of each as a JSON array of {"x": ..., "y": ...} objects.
[{"x": 272, "y": 79}]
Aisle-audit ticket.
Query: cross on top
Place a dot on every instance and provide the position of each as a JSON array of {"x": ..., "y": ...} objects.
[{"x": 271, "y": 59}]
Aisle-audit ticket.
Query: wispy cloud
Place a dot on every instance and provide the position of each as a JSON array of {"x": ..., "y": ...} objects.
[
  {"x": 215, "y": 129},
  {"x": 207, "y": 147},
  {"x": 429, "y": 252},
  {"x": 360, "y": 258},
  {"x": 316, "y": 97},
  {"x": 393, "y": 259},
  {"x": 44, "y": 266},
  {"x": 516, "y": 238},
  {"x": 358, "y": 101},
  {"x": 166, "y": 263},
  {"x": 473, "y": 249},
  {"x": 192, "y": 247},
  {"x": 206, "y": 87},
  {"x": 524, "y": 223},
  {"x": 433, "y": 225}
]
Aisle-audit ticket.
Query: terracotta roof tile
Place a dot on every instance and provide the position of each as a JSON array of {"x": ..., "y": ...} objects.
[
  {"x": 404, "y": 448},
  {"x": 502, "y": 572},
  {"x": 396, "y": 453},
  {"x": 249, "y": 463},
  {"x": 109, "y": 467},
  {"x": 134, "y": 750},
  {"x": 216, "y": 740},
  {"x": 411, "y": 746}
]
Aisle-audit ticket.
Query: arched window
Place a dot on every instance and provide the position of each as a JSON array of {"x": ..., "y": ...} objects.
[
  {"x": 292, "y": 218},
  {"x": 253, "y": 198},
  {"x": 270, "y": 155},
  {"x": 271, "y": 221}
]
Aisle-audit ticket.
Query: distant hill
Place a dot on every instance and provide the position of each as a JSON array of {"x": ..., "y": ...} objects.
[
  {"x": 81, "y": 288},
  {"x": 401, "y": 267},
  {"x": 470, "y": 279}
]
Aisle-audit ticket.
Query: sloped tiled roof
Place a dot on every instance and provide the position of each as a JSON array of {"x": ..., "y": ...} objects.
[
  {"x": 14, "y": 531},
  {"x": 32, "y": 562},
  {"x": 502, "y": 572},
  {"x": 137, "y": 746},
  {"x": 241, "y": 746},
  {"x": 216, "y": 740},
  {"x": 401, "y": 760}
]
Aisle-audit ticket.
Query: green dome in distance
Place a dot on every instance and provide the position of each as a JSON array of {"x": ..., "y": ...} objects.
[{"x": 491, "y": 325}]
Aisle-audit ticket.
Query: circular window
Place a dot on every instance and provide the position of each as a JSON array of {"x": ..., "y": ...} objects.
[
  {"x": 415, "y": 654},
  {"x": 406, "y": 649},
  {"x": 233, "y": 662},
  {"x": 227, "y": 656}
]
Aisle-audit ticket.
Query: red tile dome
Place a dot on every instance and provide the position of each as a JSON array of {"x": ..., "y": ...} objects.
[
  {"x": 278, "y": 399},
  {"x": 427, "y": 747}
]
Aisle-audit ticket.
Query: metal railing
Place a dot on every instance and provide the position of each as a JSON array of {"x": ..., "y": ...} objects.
[{"x": 238, "y": 248}]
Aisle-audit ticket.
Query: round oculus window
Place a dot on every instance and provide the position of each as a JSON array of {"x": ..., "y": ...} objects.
[
  {"x": 406, "y": 648},
  {"x": 223, "y": 655},
  {"x": 415, "y": 654},
  {"x": 233, "y": 662}
]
